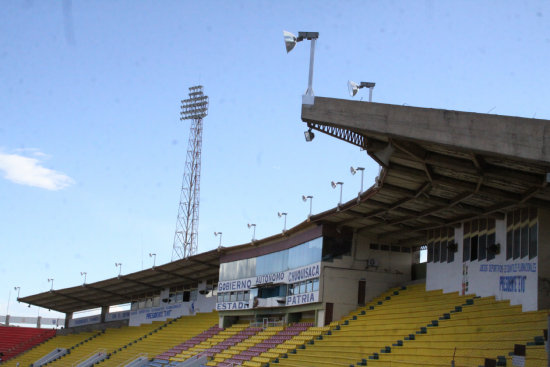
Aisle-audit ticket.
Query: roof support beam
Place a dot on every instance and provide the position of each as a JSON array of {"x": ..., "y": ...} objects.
[
  {"x": 417, "y": 153},
  {"x": 125, "y": 278},
  {"x": 175, "y": 275},
  {"x": 77, "y": 299},
  {"x": 102, "y": 290},
  {"x": 210, "y": 265}
]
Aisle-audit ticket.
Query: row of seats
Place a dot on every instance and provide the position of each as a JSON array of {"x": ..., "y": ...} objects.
[
  {"x": 121, "y": 345},
  {"x": 14, "y": 340},
  {"x": 69, "y": 342},
  {"x": 407, "y": 326},
  {"x": 411, "y": 327}
]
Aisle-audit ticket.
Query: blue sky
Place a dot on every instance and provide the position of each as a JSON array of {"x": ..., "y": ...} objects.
[{"x": 92, "y": 150}]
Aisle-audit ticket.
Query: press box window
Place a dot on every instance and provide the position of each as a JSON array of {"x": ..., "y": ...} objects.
[{"x": 522, "y": 233}]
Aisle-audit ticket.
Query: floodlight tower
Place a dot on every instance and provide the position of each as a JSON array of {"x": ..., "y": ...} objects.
[{"x": 194, "y": 108}]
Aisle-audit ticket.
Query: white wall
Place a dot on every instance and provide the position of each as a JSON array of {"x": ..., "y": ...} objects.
[
  {"x": 515, "y": 280},
  {"x": 171, "y": 311},
  {"x": 340, "y": 279}
]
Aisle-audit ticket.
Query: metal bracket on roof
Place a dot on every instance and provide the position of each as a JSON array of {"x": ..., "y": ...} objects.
[{"x": 343, "y": 134}]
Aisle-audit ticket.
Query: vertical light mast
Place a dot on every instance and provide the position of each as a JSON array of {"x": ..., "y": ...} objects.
[{"x": 194, "y": 108}]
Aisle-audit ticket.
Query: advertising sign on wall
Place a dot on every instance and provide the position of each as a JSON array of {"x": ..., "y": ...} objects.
[{"x": 284, "y": 277}]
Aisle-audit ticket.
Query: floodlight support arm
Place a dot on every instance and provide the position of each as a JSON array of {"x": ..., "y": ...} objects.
[{"x": 309, "y": 91}]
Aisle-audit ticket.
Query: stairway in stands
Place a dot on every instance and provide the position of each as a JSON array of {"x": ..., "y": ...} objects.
[{"x": 161, "y": 339}]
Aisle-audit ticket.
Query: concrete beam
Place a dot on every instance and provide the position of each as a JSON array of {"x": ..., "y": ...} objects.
[{"x": 508, "y": 136}]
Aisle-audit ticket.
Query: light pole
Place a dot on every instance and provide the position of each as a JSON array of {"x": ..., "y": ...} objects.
[
  {"x": 119, "y": 266},
  {"x": 50, "y": 280},
  {"x": 290, "y": 42},
  {"x": 279, "y": 214},
  {"x": 304, "y": 199},
  {"x": 18, "y": 289},
  {"x": 353, "y": 172},
  {"x": 8, "y": 308},
  {"x": 83, "y": 273},
  {"x": 334, "y": 184},
  {"x": 154, "y": 256},
  {"x": 219, "y": 234},
  {"x": 250, "y": 225}
]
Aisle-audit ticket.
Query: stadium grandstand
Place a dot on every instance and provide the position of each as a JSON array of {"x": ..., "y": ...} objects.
[{"x": 346, "y": 286}]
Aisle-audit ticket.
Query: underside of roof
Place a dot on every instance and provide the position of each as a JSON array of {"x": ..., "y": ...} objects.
[
  {"x": 125, "y": 288},
  {"x": 437, "y": 166}
]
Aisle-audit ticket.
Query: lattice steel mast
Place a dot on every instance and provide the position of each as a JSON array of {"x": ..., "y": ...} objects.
[{"x": 194, "y": 108}]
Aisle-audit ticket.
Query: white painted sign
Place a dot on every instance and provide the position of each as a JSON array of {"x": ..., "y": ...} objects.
[
  {"x": 512, "y": 279},
  {"x": 95, "y": 319},
  {"x": 301, "y": 299},
  {"x": 120, "y": 315},
  {"x": 229, "y": 306},
  {"x": 284, "y": 277}
]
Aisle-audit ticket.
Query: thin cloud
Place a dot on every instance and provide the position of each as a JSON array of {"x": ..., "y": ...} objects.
[{"x": 29, "y": 171}]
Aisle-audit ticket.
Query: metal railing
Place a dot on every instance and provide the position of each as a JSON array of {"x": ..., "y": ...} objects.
[
  {"x": 98, "y": 352},
  {"x": 130, "y": 360}
]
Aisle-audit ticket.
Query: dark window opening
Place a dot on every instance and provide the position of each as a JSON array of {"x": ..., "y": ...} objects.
[
  {"x": 517, "y": 239},
  {"x": 275, "y": 291},
  {"x": 436, "y": 252},
  {"x": 430, "y": 252},
  {"x": 451, "y": 242},
  {"x": 524, "y": 241},
  {"x": 473, "y": 248},
  {"x": 333, "y": 247},
  {"x": 509, "y": 235},
  {"x": 533, "y": 233}
]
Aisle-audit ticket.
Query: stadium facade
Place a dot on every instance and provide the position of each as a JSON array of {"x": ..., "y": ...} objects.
[{"x": 471, "y": 189}]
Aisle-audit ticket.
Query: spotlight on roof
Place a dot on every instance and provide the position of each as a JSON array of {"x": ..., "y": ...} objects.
[
  {"x": 252, "y": 225},
  {"x": 309, "y": 135},
  {"x": 354, "y": 87},
  {"x": 334, "y": 184},
  {"x": 353, "y": 171},
  {"x": 304, "y": 198},
  {"x": 290, "y": 42},
  {"x": 291, "y": 39},
  {"x": 219, "y": 234},
  {"x": 282, "y": 214}
]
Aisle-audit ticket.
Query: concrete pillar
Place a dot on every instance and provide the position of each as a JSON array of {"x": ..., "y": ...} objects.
[
  {"x": 547, "y": 341},
  {"x": 38, "y": 321},
  {"x": 543, "y": 258},
  {"x": 68, "y": 318},
  {"x": 104, "y": 312},
  {"x": 7, "y": 322}
]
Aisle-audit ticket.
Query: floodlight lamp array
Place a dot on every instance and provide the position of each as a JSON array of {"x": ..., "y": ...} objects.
[{"x": 195, "y": 107}]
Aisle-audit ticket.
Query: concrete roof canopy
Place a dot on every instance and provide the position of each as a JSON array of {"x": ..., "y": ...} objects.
[{"x": 438, "y": 168}]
